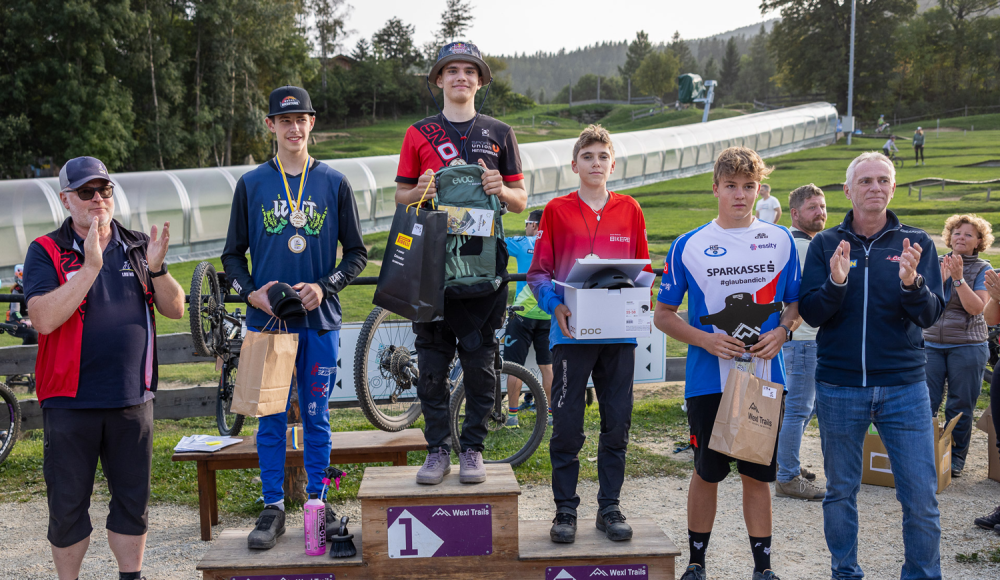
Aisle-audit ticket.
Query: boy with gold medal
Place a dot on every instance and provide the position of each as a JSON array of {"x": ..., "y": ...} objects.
[{"x": 262, "y": 211}]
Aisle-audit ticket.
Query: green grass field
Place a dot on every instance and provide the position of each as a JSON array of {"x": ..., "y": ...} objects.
[{"x": 671, "y": 208}]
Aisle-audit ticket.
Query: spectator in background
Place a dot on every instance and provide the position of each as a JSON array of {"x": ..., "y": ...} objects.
[
  {"x": 918, "y": 146},
  {"x": 992, "y": 317},
  {"x": 956, "y": 344},
  {"x": 870, "y": 284},
  {"x": 890, "y": 145},
  {"x": 807, "y": 205},
  {"x": 528, "y": 326},
  {"x": 768, "y": 207},
  {"x": 18, "y": 313}
]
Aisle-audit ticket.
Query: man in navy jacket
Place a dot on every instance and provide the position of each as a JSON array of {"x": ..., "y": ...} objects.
[{"x": 870, "y": 285}]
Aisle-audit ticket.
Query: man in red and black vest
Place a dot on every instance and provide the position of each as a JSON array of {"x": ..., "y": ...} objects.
[{"x": 91, "y": 286}]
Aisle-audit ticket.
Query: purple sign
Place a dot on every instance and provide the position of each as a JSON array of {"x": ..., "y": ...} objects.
[
  {"x": 436, "y": 531},
  {"x": 288, "y": 577},
  {"x": 632, "y": 571}
]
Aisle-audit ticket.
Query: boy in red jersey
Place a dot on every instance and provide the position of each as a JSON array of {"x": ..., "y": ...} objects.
[
  {"x": 457, "y": 136},
  {"x": 588, "y": 222}
]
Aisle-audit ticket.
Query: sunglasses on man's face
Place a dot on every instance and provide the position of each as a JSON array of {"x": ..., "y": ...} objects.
[
  {"x": 87, "y": 193},
  {"x": 528, "y": 222}
]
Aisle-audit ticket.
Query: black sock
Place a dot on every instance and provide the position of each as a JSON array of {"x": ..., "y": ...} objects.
[
  {"x": 761, "y": 548},
  {"x": 698, "y": 543},
  {"x": 130, "y": 575}
]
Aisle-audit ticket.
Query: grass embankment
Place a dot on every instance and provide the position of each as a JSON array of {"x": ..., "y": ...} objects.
[{"x": 671, "y": 208}]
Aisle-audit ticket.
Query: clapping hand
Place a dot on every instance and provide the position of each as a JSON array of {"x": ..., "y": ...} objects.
[
  {"x": 908, "y": 262},
  {"x": 952, "y": 266},
  {"x": 840, "y": 263},
  {"x": 156, "y": 251},
  {"x": 93, "y": 255},
  {"x": 993, "y": 284}
]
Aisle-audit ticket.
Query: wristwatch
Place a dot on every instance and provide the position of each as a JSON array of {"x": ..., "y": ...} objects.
[
  {"x": 163, "y": 270},
  {"x": 788, "y": 332},
  {"x": 959, "y": 282},
  {"x": 918, "y": 283}
]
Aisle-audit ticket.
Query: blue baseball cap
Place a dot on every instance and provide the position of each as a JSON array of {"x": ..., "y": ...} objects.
[
  {"x": 80, "y": 170},
  {"x": 461, "y": 51}
]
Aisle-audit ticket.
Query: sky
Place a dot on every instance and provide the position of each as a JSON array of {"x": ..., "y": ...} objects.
[{"x": 509, "y": 26}]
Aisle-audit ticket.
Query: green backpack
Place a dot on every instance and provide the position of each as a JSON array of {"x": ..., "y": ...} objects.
[{"x": 473, "y": 264}]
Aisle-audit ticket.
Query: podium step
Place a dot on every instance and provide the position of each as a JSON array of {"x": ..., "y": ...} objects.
[
  {"x": 441, "y": 530},
  {"x": 648, "y": 555},
  {"x": 229, "y": 558}
]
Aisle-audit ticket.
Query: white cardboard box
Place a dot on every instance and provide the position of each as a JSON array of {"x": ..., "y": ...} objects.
[{"x": 602, "y": 313}]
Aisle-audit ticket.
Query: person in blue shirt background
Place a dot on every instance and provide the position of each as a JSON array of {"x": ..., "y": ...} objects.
[{"x": 528, "y": 326}]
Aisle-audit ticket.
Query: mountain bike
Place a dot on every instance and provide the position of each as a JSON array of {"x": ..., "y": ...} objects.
[
  {"x": 10, "y": 410},
  {"x": 217, "y": 333},
  {"x": 502, "y": 444}
]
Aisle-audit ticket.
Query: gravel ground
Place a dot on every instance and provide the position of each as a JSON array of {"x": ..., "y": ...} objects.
[{"x": 173, "y": 548}]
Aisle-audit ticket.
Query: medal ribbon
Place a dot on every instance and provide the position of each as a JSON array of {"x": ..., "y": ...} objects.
[{"x": 302, "y": 183}]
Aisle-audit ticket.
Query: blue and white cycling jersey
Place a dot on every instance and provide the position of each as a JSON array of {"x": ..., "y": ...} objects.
[
  {"x": 736, "y": 280},
  {"x": 522, "y": 248}
]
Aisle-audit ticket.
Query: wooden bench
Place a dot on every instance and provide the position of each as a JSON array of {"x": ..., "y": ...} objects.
[{"x": 348, "y": 447}]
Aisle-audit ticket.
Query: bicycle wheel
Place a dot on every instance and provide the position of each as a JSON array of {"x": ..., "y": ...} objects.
[
  {"x": 10, "y": 421},
  {"x": 229, "y": 423},
  {"x": 503, "y": 445},
  {"x": 204, "y": 300},
  {"x": 385, "y": 371}
]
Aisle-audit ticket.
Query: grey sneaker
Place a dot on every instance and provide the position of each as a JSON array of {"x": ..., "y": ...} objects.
[
  {"x": 611, "y": 521},
  {"x": 435, "y": 467},
  {"x": 470, "y": 467},
  {"x": 765, "y": 575},
  {"x": 694, "y": 572},
  {"x": 563, "y": 529},
  {"x": 270, "y": 524},
  {"x": 807, "y": 474},
  {"x": 799, "y": 488},
  {"x": 512, "y": 422}
]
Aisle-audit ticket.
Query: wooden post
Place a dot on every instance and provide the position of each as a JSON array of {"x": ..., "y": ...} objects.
[
  {"x": 295, "y": 477},
  {"x": 909, "y": 190}
]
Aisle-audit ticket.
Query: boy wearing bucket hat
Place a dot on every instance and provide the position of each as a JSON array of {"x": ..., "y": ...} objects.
[
  {"x": 291, "y": 213},
  {"x": 460, "y": 135}
]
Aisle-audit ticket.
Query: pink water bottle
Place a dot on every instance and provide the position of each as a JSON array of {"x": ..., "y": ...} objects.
[{"x": 315, "y": 522}]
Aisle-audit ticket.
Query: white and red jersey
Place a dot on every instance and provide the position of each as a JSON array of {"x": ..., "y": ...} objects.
[{"x": 569, "y": 230}]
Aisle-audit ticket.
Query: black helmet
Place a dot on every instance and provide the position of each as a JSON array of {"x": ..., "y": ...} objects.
[
  {"x": 285, "y": 303},
  {"x": 610, "y": 279}
]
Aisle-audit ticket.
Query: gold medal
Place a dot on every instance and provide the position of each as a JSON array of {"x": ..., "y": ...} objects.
[
  {"x": 297, "y": 244},
  {"x": 297, "y": 217}
]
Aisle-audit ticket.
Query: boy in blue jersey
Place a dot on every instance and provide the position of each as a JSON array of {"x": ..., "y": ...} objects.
[
  {"x": 290, "y": 213},
  {"x": 737, "y": 271},
  {"x": 529, "y": 326}
]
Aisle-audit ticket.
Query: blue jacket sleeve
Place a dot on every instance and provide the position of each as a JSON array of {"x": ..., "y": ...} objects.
[
  {"x": 819, "y": 297},
  {"x": 924, "y": 306}
]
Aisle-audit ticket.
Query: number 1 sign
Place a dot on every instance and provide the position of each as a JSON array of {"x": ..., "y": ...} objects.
[{"x": 440, "y": 531}]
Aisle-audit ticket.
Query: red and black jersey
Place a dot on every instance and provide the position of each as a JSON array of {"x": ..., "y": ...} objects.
[{"x": 434, "y": 143}]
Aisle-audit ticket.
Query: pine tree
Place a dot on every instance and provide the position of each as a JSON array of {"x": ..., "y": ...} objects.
[
  {"x": 730, "y": 73},
  {"x": 682, "y": 52},
  {"x": 455, "y": 20},
  {"x": 638, "y": 50}
]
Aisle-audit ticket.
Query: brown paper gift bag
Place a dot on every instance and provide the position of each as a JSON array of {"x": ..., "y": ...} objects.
[
  {"x": 264, "y": 375},
  {"x": 749, "y": 417}
]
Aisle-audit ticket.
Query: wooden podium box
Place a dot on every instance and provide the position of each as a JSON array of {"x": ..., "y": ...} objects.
[{"x": 448, "y": 531}]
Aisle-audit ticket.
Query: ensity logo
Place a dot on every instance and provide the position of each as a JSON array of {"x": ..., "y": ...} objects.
[{"x": 404, "y": 241}]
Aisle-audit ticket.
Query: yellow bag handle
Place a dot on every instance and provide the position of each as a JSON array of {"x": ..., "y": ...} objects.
[{"x": 421, "y": 200}]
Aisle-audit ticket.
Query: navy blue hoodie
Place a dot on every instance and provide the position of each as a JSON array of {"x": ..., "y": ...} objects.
[{"x": 870, "y": 328}]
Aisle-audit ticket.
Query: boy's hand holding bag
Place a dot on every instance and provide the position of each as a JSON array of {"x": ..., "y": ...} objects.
[
  {"x": 411, "y": 281},
  {"x": 749, "y": 417}
]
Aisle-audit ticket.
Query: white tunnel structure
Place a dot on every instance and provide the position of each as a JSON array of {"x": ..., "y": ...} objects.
[{"x": 197, "y": 201}]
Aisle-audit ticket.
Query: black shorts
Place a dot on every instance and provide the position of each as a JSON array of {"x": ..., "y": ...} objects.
[
  {"x": 713, "y": 466},
  {"x": 521, "y": 334},
  {"x": 74, "y": 439}
]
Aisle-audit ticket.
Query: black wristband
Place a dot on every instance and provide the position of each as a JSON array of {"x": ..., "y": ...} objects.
[{"x": 163, "y": 271}]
